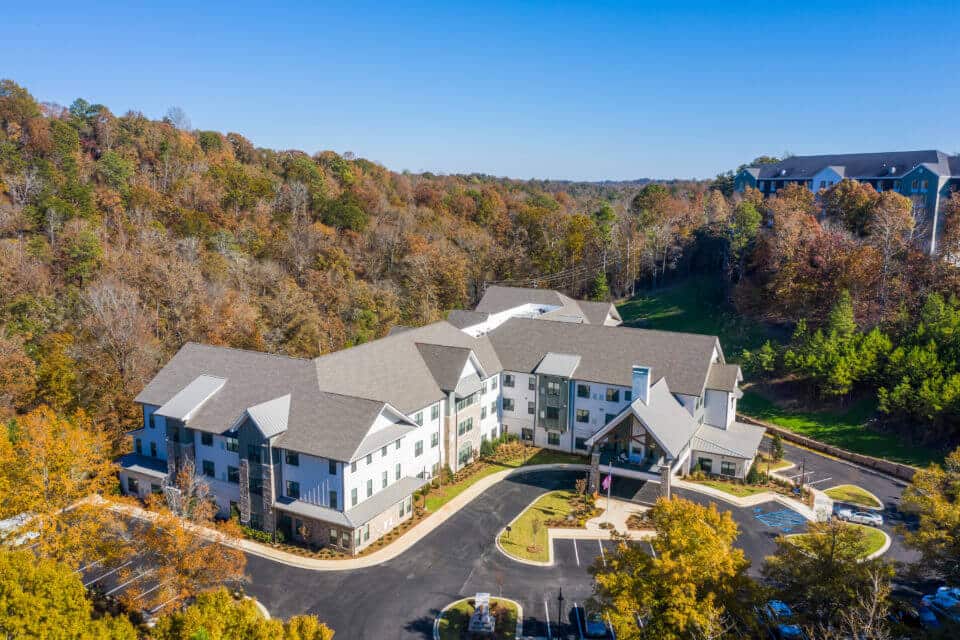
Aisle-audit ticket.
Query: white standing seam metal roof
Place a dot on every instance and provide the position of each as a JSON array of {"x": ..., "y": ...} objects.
[
  {"x": 271, "y": 417},
  {"x": 739, "y": 440},
  {"x": 558, "y": 364},
  {"x": 186, "y": 401}
]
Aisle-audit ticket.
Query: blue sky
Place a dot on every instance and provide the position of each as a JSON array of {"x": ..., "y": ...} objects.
[{"x": 529, "y": 90}]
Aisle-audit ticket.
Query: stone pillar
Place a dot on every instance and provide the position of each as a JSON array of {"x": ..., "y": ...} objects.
[
  {"x": 171, "y": 460},
  {"x": 267, "y": 470},
  {"x": 666, "y": 477},
  {"x": 244, "y": 491},
  {"x": 593, "y": 482}
]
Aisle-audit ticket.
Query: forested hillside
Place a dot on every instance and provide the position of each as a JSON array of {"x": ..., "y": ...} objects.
[{"x": 123, "y": 237}]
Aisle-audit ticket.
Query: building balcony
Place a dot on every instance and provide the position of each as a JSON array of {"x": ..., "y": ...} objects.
[{"x": 627, "y": 462}]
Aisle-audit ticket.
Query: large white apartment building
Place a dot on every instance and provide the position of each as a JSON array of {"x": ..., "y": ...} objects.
[{"x": 330, "y": 450}]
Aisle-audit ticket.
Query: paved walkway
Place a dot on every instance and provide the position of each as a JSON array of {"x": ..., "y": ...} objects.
[{"x": 389, "y": 552}]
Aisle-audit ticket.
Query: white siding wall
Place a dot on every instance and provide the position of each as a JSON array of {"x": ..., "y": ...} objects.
[
  {"x": 521, "y": 395},
  {"x": 598, "y": 407},
  {"x": 741, "y": 467},
  {"x": 316, "y": 482},
  {"x": 715, "y": 408},
  {"x": 153, "y": 433},
  {"x": 414, "y": 465},
  {"x": 490, "y": 403},
  {"x": 217, "y": 453}
]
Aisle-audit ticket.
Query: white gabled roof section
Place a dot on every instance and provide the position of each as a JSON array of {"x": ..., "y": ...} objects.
[
  {"x": 271, "y": 417},
  {"x": 389, "y": 426},
  {"x": 186, "y": 401},
  {"x": 663, "y": 418},
  {"x": 561, "y": 365}
]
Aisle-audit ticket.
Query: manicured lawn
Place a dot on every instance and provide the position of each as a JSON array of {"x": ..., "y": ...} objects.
[
  {"x": 874, "y": 538},
  {"x": 738, "y": 490},
  {"x": 694, "y": 305},
  {"x": 435, "y": 500},
  {"x": 846, "y": 429},
  {"x": 854, "y": 495},
  {"x": 521, "y": 541},
  {"x": 454, "y": 621},
  {"x": 766, "y": 464}
]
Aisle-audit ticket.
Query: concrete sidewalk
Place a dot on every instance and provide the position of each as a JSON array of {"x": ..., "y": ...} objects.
[
  {"x": 748, "y": 501},
  {"x": 391, "y": 551}
]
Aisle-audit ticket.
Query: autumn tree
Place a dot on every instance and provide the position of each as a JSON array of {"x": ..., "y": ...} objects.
[
  {"x": 851, "y": 203},
  {"x": 50, "y": 466},
  {"x": 932, "y": 495},
  {"x": 216, "y": 615},
  {"x": 827, "y": 574},
  {"x": 689, "y": 586},
  {"x": 889, "y": 227},
  {"x": 41, "y": 598},
  {"x": 17, "y": 376}
]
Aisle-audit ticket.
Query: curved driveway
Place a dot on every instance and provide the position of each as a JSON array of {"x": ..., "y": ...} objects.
[{"x": 400, "y": 598}]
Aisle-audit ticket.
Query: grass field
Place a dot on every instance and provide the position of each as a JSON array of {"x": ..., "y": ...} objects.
[
  {"x": 875, "y": 538},
  {"x": 854, "y": 495},
  {"x": 738, "y": 490},
  {"x": 845, "y": 429},
  {"x": 437, "y": 499},
  {"x": 454, "y": 621},
  {"x": 521, "y": 542},
  {"x": 694, "y": 305}
]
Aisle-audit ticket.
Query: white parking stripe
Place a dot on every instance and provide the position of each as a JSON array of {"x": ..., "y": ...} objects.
[
  {"x": 575, "y": 554},
  {"x": 547, "y": 618},
  {"x": 602, "y": 554},
  {"x": 122, "y": 585},
  {"x": 576, "y": 611},
  {"x": 87, "y": 584},
  {"x": 816, "y": 481}
]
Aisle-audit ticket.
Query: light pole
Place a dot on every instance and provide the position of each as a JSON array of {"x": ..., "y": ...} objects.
[{"x": 560, "y": 609}]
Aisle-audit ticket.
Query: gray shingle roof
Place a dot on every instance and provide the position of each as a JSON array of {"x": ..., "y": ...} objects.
[
  {"x": 461, "y": 318},
  {"x": 856, "y": 165},
  {"x": 497, "y": 298},
  {"x": 608, "y": 353},
  {"x": 445, "y": 363},
  {"x": 739, "y": 440},
  {"x": 272, "y": 416},
  {"x": 723, "y": 377},
  {"x": 393, "y": 370}
]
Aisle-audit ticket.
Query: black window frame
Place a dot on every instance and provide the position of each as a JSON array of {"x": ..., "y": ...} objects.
[
  {"x": 206, "y": 439},
  {"x": 291, "y": 458},
  {"x": 293, "y": 489},
  {"x": 583, "y": 390},
  {"x": 211, "y": 471}
]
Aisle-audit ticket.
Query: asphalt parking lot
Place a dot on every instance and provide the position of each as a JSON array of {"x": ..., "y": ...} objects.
[{"x": 402, "y": 597}]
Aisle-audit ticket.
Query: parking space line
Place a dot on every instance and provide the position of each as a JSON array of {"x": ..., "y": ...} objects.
[
  {"x": 87, "y": 584},
  {"x": 816, "y": 481},
  {"x": 576, "y": 611},
  {"x": 603, "y": 556},
  {"x": 123, "y": 584},
  {"x": 546, "y": 610},
  {"x": 575, "y": 553}
]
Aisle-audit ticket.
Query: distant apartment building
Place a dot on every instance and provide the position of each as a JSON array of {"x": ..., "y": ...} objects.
[
  {"x": 330, "y": 450},
  {"x": 928, "y": 178}
]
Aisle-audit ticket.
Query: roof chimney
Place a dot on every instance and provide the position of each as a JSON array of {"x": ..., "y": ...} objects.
[{"x": 641, "y": 383}]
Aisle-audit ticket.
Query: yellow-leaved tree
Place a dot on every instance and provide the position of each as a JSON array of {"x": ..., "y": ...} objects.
[{"x": 688, "y": 586}]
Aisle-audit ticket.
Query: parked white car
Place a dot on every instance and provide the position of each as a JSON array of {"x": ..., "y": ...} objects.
[{"x": 869, "y": 518}]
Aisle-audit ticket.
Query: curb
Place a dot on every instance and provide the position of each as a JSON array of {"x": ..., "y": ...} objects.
[
  {"x": 519, "y": 631},
  {"x": 882, "y": 550},
  {"x": 859, "y": 506},
  {"x": 752, "y": 501},
  {"x": 391, "y": 551}
]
